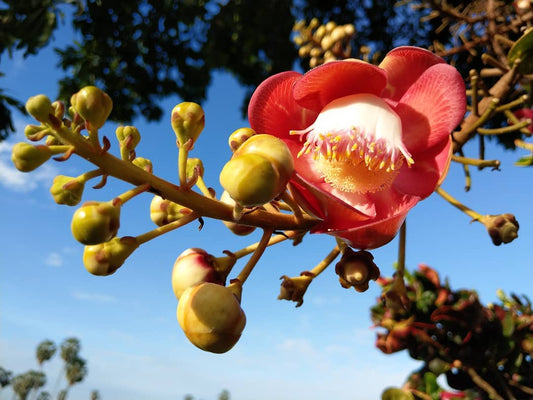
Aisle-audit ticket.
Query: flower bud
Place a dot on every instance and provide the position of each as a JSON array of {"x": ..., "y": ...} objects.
[
  {"x": 39, "y": 107},
  {"x": 95, "y": 222},
  {"x": 195, "y": 168},
  {"x": 67, "y": 190},
  {"x": 239, "y": 136},
  {"x": 237, "y": 229},
  {"x": 28, "y": 157},
  {"x": 188, "y": 121},
  {"x": 192, "y": 267},
  {"x": 58, "y": 108},
  {"x": 272, "y": 148},
  {"x": 356, "y": 269},
  {"x": 35, "y": 133},
  {"x": 501, "y": 228},
  {"x": 128, "y": 137},
  {"x": 93, "y": 105},
  {"x": 211, "y": 317},
  {"x": 251, "y": 180},
  {"x": 143, "y": 163},
  {"x": 397, "y": 394},
  {"x": 105, "y": 258},
  {"x": 163, "y": 211}
]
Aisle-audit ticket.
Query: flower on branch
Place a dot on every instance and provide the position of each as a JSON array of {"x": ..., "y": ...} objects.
[{"x": 368, "y": 141}]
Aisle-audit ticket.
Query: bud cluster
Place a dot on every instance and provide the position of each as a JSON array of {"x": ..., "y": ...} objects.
[{"x": 323, "y": 43}]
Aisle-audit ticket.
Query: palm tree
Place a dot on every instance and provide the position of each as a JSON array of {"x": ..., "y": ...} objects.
[{"x": 45, "y": 351}]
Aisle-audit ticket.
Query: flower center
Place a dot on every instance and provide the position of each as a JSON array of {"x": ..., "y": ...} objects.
[{"x": 356, "y": 142}]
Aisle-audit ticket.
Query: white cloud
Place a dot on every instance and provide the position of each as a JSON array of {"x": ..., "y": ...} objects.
[
  {"x": 54, "y": 260},
  {"x": 93, "y": 297},
  {"x": 13, "y": 179}
]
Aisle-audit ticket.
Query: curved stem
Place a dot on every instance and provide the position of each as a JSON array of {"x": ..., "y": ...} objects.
[
  {"x": 456, "y": 203},
  {"x": 322, "y": 265},
  {"x": 203, "y": 205},
  {"x": 476, "y": 162},
  {"x": 263, "y": 243},
  {"x": 145, "y": 237}
]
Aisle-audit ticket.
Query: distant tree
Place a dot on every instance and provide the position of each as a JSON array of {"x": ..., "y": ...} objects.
[
  {"x": 5, "y": 377},
  {"x": 142, "y": 51},
  {"x": 45, "y": 351},
  {"x": 224, "y": 395},
  {"x": 74, "y": 369}
]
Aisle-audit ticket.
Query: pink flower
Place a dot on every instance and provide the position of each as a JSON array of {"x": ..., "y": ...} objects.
[
  {"x": 524, "y": 114},
  {"x": 368, "y": 142}
]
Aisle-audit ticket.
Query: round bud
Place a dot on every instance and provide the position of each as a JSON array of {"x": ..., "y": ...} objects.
[
  {"x": 28, "y": 157},
  {"x": 95, "y": 222},
  {"x": 195, "y": 168},
  {"x": 143, "y": 163},
  {"x": 272, "y": 148},
  {"x": 188, "y": 121},
  {"x": 163, "y": 211},
  {"x": 192, "y": 267},
  {"x": 237, "y": 229},
  {"x": 251, "y": 180},
  {"x": 93, "y": 105},
  {"x": 239, "y": 136},
  {"x": 211, "y": 317},
  {"x": 128, "y": 136},
  {"x": 67, "y": 190},
  {"x": 327, "y": 42},
  {"x": 105, "y": 258},
  {"x": 39, "y": 107}
]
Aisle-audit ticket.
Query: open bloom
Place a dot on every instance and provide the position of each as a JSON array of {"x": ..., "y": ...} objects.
[{"x": 368, "y": 141}]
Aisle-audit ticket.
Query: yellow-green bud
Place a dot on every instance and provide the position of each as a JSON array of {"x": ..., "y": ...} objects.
[
  {"x": 211, "y": 317},
  {"x": 39, "y": 107},
  {"x": 93, "y": 105},
  {"x": 95, "y": 222},
  {"x": 105, "y": 258},
  {"x": 272, "y": 148},
  {"x": 58, "y": 108},
  {"x": 239, "y": 136},
  {"x": 35, "y": 133},
  {"x": 237, "y": 229},
  {"x": 188, "y": 121},
  {"x": 163, "y": 211},
  {"x": 251, "y": 180},
  {"x": 143, "y": 163},
  {"x": 67, "y": 190},
  {"x": 28, "y": 157},
  {"x": 128, "y": 136},
  {"x": 195, "y": 168}
]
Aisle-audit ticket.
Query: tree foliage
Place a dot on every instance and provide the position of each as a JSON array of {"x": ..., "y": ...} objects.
[{"x": 142, "y": 51}]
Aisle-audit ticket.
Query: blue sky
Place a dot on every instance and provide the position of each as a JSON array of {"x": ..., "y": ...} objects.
[{"x": 126, "y": 322}]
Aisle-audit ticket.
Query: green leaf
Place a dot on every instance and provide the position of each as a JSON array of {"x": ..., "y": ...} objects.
[
  {"x": 526, "y": 161},
  {"x": 522, "y": 51}
]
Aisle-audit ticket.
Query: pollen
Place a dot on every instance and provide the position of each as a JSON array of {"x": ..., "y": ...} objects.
[{"x": 356, "y": 143}]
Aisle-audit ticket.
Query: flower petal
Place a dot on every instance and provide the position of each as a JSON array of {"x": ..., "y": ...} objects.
[
  {"x": 436, "y": 101},
  {"x": 426, "y": 173},
  {"x": 373, "y": 235},
  {"x": 336, "y": 79},
  {"x": 404, "y": 65},
  {"x": 272, "y": 109}
]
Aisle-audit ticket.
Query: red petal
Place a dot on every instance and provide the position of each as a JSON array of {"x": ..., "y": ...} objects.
[
  {"x": 336, "y": 79},
  {"x": 379, "y": 233},
  {"x": 426, "y": 173},
  {"x": 272, "y": 109},
  {"x": 436, "y": 101},
  {"x": 404, "y": 65}
]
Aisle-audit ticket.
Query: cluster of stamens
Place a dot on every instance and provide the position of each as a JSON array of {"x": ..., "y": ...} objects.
[{"x": 352, "y": 160}]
